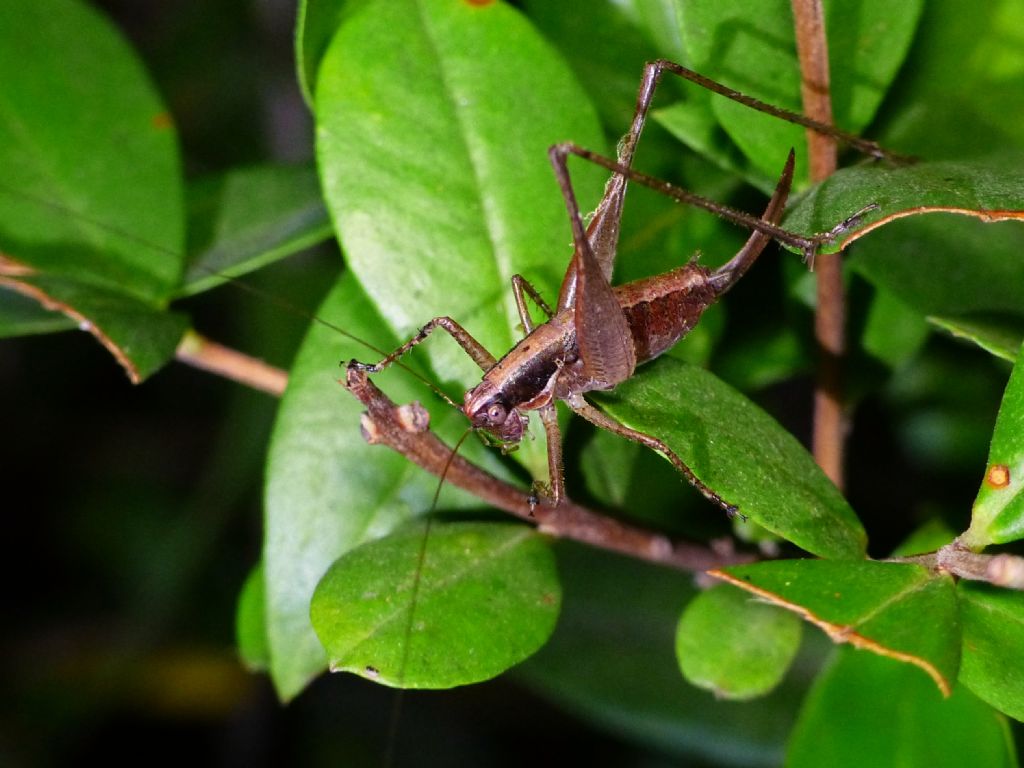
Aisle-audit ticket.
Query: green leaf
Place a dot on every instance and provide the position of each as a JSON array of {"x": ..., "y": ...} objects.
[
  {"x": 315, "y": 26},
  {"x": 438, "y": 180},
  {"x": 998, "y": 513},
  {"x": 756, "y": 54},
  {"x": 770, "y": 353},
  {"x": 250, "y": 217},
  {"x": 609, "y": 51},
  {"x": 741, "y": 452},
  {"x": 693, "y": 122},
  {"x": 457, "y": 607},
  {"x": 993, "y": 622},
  {"x": 961, "y": 83},
  {"x": 251, "y": 622},
  {"x": 91, "y": 208},
  {"x": 896, "y": 610},
  {"x": 140, "y": 337},
  {"x": 22, "y": 316},
  {"x": 91, "y": 187},
  {"x": 893, "y": 331},
  {"x": 328, "y": 491},
  {"x": 996, "y": 333},
  {"x": 866, "y": 710},
  {"x": 991, "y": 189},
  {"x": 628, "y": 476},
  {"x": 734, "y": 646}
]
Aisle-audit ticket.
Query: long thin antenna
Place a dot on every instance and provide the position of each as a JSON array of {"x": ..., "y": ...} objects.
[{"x": 396, "y": 709}]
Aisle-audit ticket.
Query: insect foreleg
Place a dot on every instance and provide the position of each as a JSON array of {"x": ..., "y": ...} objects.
[
  {"x": 473, "y": 348},
  {"x": 602, "y": 420}
]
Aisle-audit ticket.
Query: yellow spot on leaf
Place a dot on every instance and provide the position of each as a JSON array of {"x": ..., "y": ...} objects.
[{"x": 998, "y": 476}]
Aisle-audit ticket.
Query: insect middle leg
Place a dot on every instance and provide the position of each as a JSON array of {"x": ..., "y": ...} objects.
[{"x": 473, "y": 348}]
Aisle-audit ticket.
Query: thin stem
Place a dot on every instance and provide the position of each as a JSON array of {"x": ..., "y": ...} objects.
[
  {"x": 830, "y": 316},
  {"x": 200, "y": 352},
  {"x": 1003, "y": 570}
]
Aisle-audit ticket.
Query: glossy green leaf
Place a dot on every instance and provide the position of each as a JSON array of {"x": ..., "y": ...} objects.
[
  {"x": 866, "y": 710},
  {"x": 993, "y": 622},
  {"x": 901, "y": 611},
  {"x": 612, "y": 662},
  {"x": 251, "y": 622},
  {"x": 609, "y": 51},
  {"x": 756, "y": 54},
  {"x": 457, "y": 607},
  {"x": 250, "y": 217},
  {"x": 627, "y": 476},
  {"x": 693, "y": 122},
  {"x": 438, "y": 181},
  {"x": 989, "y": 188},
  {"x": 734, "y": 646},
  {"x": 741, "y": 452},
  {"x": 91, "y": 188},
  {"x": 91, "y": 198},
  {"x": 140, "y": 337},
  {"x": 998, "y": 513}
]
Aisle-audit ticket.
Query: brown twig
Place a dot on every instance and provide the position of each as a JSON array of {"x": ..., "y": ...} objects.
[
  {"x": 406, "y": 429},
  {"x": 200, "y": 352},
  {"x": 830, "y": 315},
  {"x": 1002, "y": 570}
]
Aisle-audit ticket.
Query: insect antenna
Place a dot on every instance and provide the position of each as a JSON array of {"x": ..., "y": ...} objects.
[{"x": 421, "y": 558}]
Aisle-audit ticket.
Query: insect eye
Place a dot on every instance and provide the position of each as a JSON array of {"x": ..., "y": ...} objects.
[{"x": 496, "y": 413}]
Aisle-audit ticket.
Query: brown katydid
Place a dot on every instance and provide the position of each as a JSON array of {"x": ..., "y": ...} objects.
[{"x": 597, "y": 335}]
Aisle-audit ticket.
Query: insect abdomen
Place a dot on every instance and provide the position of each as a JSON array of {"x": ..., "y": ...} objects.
[{"x": 662, "y": 309}]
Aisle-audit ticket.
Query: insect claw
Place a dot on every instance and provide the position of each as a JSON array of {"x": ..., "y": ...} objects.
[
  {"x": 808, "y": 256},
  {"x": 853, "y": 220},
  {"x": 541, "y": 492},
  {"x": 810, "y": 249},
  {"x": 732, "y": 511}
]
